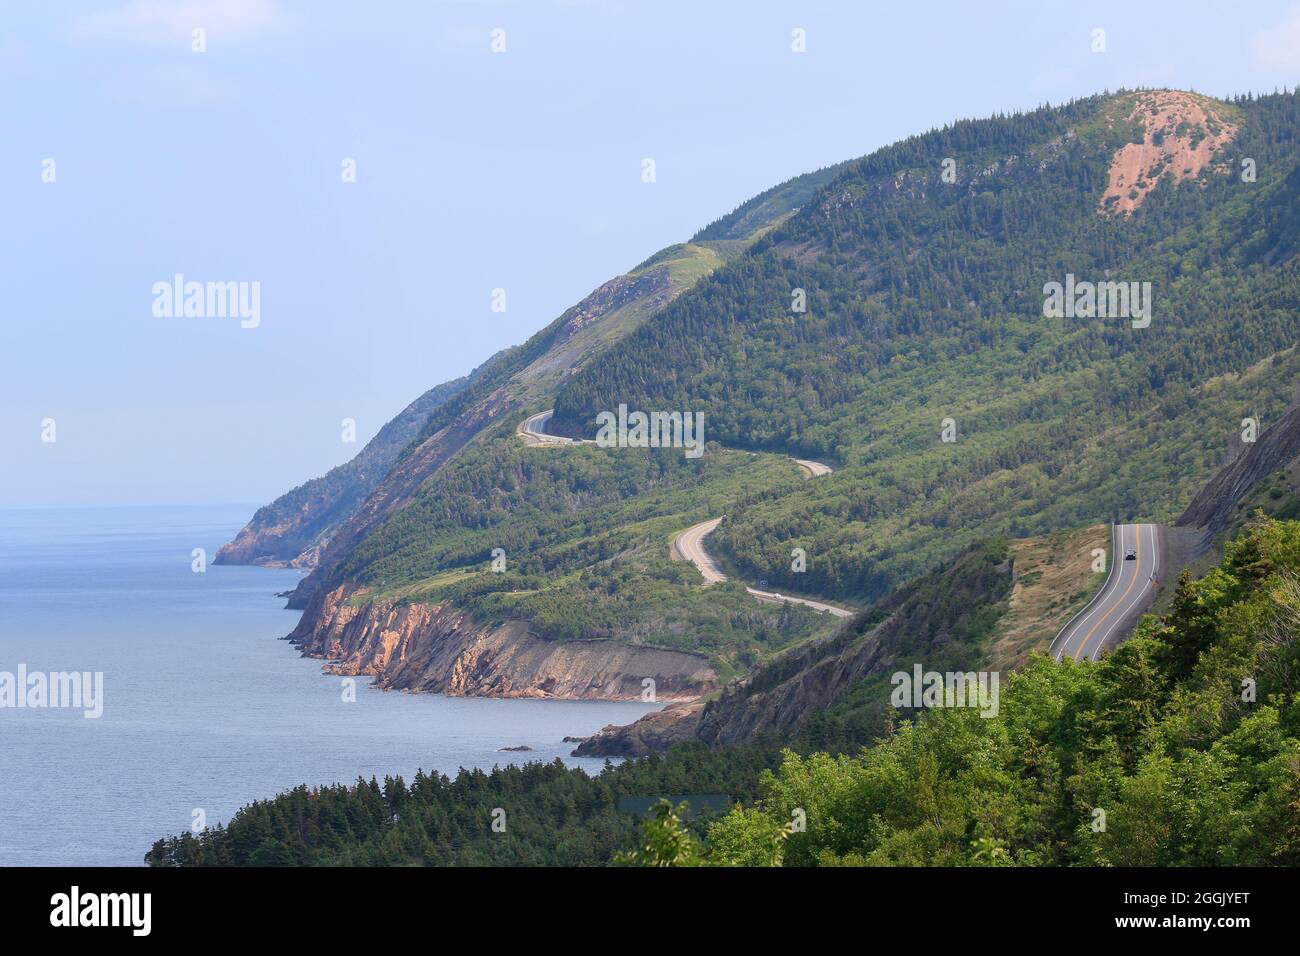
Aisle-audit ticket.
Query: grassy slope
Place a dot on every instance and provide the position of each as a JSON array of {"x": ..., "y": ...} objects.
[{"x": 1054, "y": 580}]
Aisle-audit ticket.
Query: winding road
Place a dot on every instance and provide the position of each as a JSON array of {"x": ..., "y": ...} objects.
[
  {"x": 688, "y": 545},
  {"x": 815, "y": 469},
  {"x": 1129, "y": 590},
  {"x": 533, "y": 431}
]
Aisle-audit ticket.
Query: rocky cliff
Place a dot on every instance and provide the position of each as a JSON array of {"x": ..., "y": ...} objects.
[
  {"x": 439, "y": 649},
  {"x": 1214, "y": 508},
  {"x": 290, "y": 531},
  {"x": 1182, "y": 134}
]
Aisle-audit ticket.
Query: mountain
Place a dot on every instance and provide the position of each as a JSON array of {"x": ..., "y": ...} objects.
[
  {"x": 981, "y": 398},
  {"x": 326, "y": 524},
  {"x": 925, "y": 304},
  {"x": 935, "y": 365},
  {"x": 292, "y": 529},
  {"x": 1263, "y": 476}
]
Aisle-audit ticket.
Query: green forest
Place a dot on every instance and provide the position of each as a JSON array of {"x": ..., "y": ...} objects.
[
  {"x": 958, "y": 418},
  {"x": 924, "y": 304}
]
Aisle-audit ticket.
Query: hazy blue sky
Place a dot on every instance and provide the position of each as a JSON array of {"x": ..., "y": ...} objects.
[{"x": 475, "y": 170}]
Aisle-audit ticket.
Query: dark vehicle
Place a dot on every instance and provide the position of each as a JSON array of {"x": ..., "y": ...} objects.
[{"x": 1130, "y": 555}]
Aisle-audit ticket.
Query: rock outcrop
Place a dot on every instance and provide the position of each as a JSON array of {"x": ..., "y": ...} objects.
[
  {"x": 1214, "y": 507},
  {"x": 1182, "y": 134},
  {"x": 653, "y": 733},
  {"x": 439, "y": 649}
]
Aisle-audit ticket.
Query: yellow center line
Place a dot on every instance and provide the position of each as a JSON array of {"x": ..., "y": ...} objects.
[{"x": 1137, "y": 568}]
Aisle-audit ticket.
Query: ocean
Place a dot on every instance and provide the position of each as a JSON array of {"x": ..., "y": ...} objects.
[{"x": 204, "y": 710}]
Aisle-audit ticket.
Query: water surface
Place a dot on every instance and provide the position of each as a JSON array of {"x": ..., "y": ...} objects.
[{"x": 204, "y": 708}]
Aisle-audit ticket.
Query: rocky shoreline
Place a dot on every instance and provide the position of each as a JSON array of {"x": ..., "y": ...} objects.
[{"x": 437, "y": 648}]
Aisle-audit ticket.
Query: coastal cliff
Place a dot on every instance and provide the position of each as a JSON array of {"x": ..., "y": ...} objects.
[
  {"x": 438, "y": 648},
  {"x": 290, "y": 531}
]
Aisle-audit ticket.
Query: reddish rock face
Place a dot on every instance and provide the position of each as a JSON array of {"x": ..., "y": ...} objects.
[
  {"x": 440, "y": 649},
  {"x": 1182, "y": 134}
]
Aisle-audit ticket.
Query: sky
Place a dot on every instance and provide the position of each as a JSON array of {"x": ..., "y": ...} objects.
[{"x": 129, "y": 156}]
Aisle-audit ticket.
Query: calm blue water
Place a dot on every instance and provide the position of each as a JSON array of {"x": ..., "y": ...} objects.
[{"x": 203, "y": 706}]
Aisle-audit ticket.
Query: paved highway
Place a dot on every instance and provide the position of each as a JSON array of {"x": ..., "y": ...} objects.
[
  {"x": 689, "y": 546},
  {"x": 1129, "y": 590}
]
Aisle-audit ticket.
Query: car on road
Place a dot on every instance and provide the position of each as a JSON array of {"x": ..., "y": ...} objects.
[{"x": 1130, "y": 555}]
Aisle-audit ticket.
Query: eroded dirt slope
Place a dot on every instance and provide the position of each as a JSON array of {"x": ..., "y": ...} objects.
[{"x": 1183, "y": 133}]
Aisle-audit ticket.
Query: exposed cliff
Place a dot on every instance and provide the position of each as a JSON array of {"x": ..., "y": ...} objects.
[
  {"x": 291, "y": 530},
  {"x": 439, "y": 649},
  {"x": 1215, "y": 508},
  {"x": 1182, "y": 134},
  {"x": 654, "y": 733}
]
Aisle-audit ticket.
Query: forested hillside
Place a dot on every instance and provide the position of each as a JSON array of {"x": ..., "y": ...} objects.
[
  {"x": 925, "y": 315},
  {"x": 1180, "y": 748},
  {"x": 962, "y": 417},
  {"x": 582, "y": 541},
  {"x": 925, "y": 301},
  {"x": 518, "y": 380}
]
